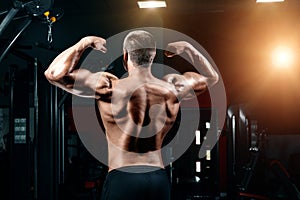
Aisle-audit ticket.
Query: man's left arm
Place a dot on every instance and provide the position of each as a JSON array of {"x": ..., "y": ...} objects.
[{"x": 191, "y": 81}]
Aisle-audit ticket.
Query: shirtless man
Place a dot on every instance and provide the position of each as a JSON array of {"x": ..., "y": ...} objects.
[{"x": 137, "y": 111}]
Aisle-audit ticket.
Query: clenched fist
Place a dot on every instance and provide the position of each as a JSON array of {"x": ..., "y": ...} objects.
[{"x": 95, "y": 42}]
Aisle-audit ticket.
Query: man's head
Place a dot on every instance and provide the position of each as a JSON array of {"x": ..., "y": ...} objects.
[{"x": 140, "y": 46}]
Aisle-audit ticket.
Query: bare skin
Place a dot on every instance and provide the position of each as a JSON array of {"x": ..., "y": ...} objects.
[{"x": 137, "y": 111}]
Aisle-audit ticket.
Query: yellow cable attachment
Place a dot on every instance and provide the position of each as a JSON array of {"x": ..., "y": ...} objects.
[{"x": 47, "y": 13}]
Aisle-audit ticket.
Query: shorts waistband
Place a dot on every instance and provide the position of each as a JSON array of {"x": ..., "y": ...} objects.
[{"x": 137, "y": 169}]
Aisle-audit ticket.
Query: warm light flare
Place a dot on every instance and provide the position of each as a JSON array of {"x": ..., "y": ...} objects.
[
  {"x": 268, "y": 1},
  {"x": 282, "y": 57},
  {"x": 152, "y": 4}
]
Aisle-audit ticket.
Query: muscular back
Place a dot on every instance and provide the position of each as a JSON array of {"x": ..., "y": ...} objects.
[
  {"x": 137, "y": 117},
  {"x": 137, "y": 111}
]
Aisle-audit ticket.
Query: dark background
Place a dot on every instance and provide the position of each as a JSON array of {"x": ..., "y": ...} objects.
[{"x": 240, "y": 36}]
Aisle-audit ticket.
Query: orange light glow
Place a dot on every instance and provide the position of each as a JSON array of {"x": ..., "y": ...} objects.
[{"x": 282, "y": 57}]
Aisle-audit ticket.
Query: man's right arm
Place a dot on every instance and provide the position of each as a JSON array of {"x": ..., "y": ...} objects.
[
  {"x": 63, "y": 71},
  {"x": 191, "y": 82}
]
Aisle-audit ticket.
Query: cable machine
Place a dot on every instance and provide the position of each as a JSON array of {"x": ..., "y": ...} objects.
[{"x": 31, "y": 139}]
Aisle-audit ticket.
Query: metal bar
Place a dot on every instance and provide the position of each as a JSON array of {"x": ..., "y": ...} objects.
[
  {"x": 14, "y": 39},
  {"x": 61, "y": 128},
  {"x": 63, "y": 99},
  {"x": 36, "y": 123},
  {"x": 11, "y": 136},
  {"x": 63, "y": 144},
  {"x": 53, "y": 142},
  {"x": 52, "y": 132},
  {"x": 10, "y": 15},
  {"x": 57, "y": 145}
]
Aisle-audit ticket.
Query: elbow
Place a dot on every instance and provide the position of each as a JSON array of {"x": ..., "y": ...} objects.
[
  {"x": 216, "y": 78},
  {"x": 213, "y": 80},
  {"x": 49, "y": 75}
]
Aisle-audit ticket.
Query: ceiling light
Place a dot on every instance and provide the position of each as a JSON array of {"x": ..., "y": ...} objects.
[
  {"x": 268, "y": 1},
  {"x": 152, "y": 4}
]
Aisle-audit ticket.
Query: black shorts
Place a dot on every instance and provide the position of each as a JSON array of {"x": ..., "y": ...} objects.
[{"x": 136, "y": 183}]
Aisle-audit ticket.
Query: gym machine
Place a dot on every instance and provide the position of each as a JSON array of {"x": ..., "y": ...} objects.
[
  {"x": 248, "y": 170},
  {"x": 31, "y": 139}
]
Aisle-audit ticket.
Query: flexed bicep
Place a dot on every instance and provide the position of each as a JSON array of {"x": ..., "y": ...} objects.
[
  {"x": 83, "y": 83},
  {"x": 80, "y": 82},
  {"x": 207, "y": 76},
  {"x": 188, "y": 85},
  {"x": 64, "y": 71},
  {"x": 182, "y": 88},
  {"x": 96, "y": 85}
]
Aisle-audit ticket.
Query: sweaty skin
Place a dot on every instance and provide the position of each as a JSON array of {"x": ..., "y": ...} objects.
[
  {"x": 137, "y": 111},
  {"x": 137, "y": 119}
]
